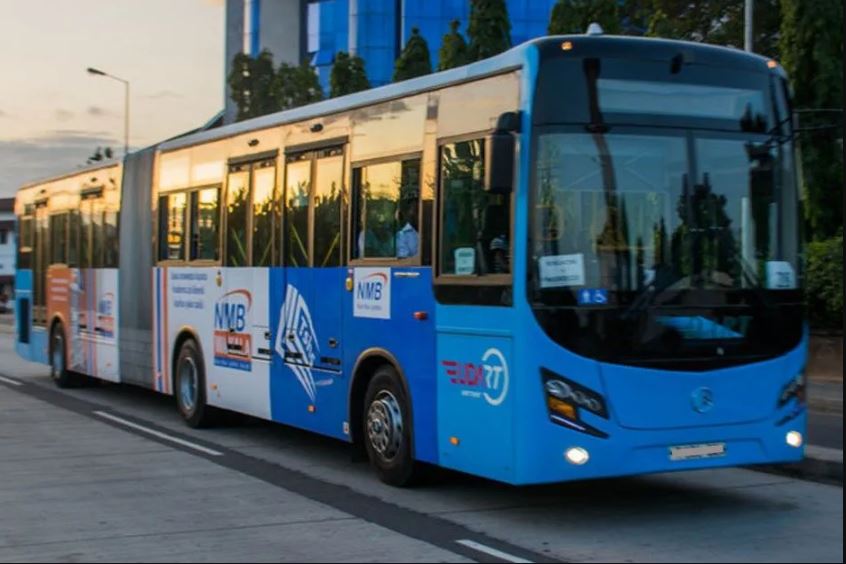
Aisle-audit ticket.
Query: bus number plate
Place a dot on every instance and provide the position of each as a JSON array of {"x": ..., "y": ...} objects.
[{"x": 693, "y": 452}]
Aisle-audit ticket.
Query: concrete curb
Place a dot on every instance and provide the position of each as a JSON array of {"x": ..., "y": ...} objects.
[{"x": 820, "y": 465}]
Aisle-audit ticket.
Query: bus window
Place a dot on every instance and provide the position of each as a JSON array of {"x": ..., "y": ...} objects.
[
  {"x": 25, "y": 243},
  {"x": 58, "y": 238},
  {"x": 237, "y": 210},
  {"x": 327, "y": 211},
  {"x": 387, "y": 198},
  {"x": 475, "y": 225},
  {"x": 111, "y": 243},
  {"x": 264, "y": 180},
  {"x": 73, "y": 239},
  {"x": 85, "y": 235},
  {"x": 298, "y": 183},
  {"x": 97, "y": 235},
  {"x": 172, "y": 209},
  {"x": 205, "y": 219}
]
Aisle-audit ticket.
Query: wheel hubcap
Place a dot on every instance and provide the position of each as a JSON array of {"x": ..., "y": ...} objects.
[
  {"x": 384, "y": 425},
  {"x": 188, "y": 385}
]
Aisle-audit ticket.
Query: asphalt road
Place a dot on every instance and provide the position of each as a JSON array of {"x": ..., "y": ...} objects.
[{"x": 110, "y": 473}]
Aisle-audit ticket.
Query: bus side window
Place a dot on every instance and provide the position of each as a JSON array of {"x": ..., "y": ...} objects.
[
  {"x": 172, "y": 212},
  {"x": 237, "y": 216},
  {"x": 58, "y": 238},
  {"x": 111, "y": 243},
  {"x": 85, "y": 235},
  {"x": 205, "y": 225},
  {"x": 386, "y": 211},
  {"x": 25, "y": 243},
  {"x": 475, "y": 237},
  {"x": 73, "y": 239}
]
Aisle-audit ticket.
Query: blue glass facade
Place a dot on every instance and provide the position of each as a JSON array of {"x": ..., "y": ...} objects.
[{"x": 376, "y": 30}]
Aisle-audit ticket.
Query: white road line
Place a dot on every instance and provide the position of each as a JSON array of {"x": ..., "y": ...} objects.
[
  {"x": 10, "y": 381},
  {"x": 492, "y": 552},
  {"x": 143, "y": 429}
]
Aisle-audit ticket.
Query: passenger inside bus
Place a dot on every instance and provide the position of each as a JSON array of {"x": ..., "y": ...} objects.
[{"x": 407, "y": 236}]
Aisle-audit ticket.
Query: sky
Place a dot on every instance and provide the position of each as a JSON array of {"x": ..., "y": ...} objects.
[{"x": 53, "y": 114}]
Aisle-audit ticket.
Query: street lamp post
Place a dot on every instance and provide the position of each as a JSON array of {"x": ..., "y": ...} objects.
[{"x": 98, "y": 72}]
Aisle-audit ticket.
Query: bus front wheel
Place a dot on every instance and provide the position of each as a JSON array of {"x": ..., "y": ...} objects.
[
  {"x": 387, "y": 429},
  {"x": 190, "y": 387}
]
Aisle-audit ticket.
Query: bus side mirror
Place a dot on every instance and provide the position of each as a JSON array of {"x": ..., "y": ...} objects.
[{"x": 500, "y": 148}]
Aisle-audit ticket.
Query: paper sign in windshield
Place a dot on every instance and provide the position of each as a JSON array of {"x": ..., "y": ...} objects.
[
  {"x": 780, "y": 275},
  {"x": 562, "y": 270}
]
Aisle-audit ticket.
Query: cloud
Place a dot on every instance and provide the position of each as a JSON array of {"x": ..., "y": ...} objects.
[
  {"x": 63, "y": 150},
  {"x": 63, "y": 115},
  {"x": 163, "y": 94}
]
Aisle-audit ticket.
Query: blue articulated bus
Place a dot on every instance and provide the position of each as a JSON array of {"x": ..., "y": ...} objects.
[{"x": 579, "y": 258}]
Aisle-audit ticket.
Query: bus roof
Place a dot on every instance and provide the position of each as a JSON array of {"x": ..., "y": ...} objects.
[
  {"x": 511, "y": 59},
  {"x": 82, "y": 170}
]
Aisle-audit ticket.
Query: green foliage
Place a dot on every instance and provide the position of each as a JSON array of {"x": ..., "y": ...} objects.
[
  {"x": 824, "y": 282},
  {"x": 296, "y": 86},
  {"x": 251, "y": 82},
  {"x": 812, "y": 54},
  {"x": 453, "y": 52},
  {"x": 100, "y": 154},
  {"x": 414, "y": 60},
  {"x": 257, "y": 88},
  {"x": 717, "y": 21},
  {"x": 489, "y": 30},
  {"x": 347, "y": 75},
  {"x": 574, "y": 16}
]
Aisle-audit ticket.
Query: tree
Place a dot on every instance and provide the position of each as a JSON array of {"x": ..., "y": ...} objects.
[
  {"x": 296, "y": 86},
  {"x": 717, "y": 21},
  {"x": 812, "y": 54},
  {"x": 251, "y": 83},
  {"x": 100, "y": 155},
  {"x": 347, "y": 75},
  {"x": 574, "y": 16},
  {"x": 489, "y": 30},
  {"x": 414, "y": 60},
  {"x": 453, "y": 51}
]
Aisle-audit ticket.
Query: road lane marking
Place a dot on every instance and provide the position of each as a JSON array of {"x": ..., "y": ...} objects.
[
  {"x": 10, "y": 381},
  {"x": 492, "y": 552},
  {"x": 162, "y": 436}
]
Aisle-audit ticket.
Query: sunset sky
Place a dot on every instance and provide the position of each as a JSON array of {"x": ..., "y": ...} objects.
[{"x": 53, "y": 114}]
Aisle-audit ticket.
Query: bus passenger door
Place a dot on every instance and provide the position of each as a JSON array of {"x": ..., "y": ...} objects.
[{"x": 308, "y": 338}]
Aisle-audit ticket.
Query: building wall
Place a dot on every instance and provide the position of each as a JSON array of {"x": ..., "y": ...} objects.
[
  {"x": 376, "y": 30},
  {"x": 254, "y": 25}
]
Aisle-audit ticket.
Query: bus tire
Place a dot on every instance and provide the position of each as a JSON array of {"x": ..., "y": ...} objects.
[
  {"x": 59, "y": 372},
  {"x": 189, "y": 387},
  {"x": 387, "y": 429}
]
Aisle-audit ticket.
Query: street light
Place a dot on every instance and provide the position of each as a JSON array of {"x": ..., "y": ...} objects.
[{"x": 98, "y": 72}]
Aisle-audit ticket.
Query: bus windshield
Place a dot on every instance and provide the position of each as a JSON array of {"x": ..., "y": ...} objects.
[{"x": 624, "y": 212}]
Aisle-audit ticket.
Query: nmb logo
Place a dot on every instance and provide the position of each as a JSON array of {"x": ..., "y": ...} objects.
[
  {"x": 371, "y": 288},
  {"x": 372, "y": 293},
  {"x": 230, "y": 311},
  {"x": 232, "y": 339}
]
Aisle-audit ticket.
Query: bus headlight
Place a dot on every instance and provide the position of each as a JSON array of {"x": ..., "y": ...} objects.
[
  {"x": 794, "y": 439},
  {"x": 566, "y": 400},
  {"x": 577, "y": 456}
]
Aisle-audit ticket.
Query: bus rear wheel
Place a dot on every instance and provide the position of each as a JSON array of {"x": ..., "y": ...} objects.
[
  {"x": 387, "y": 429},
  {"x": 189, "y": 387},
  {"x": 59, "y": 372}
]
